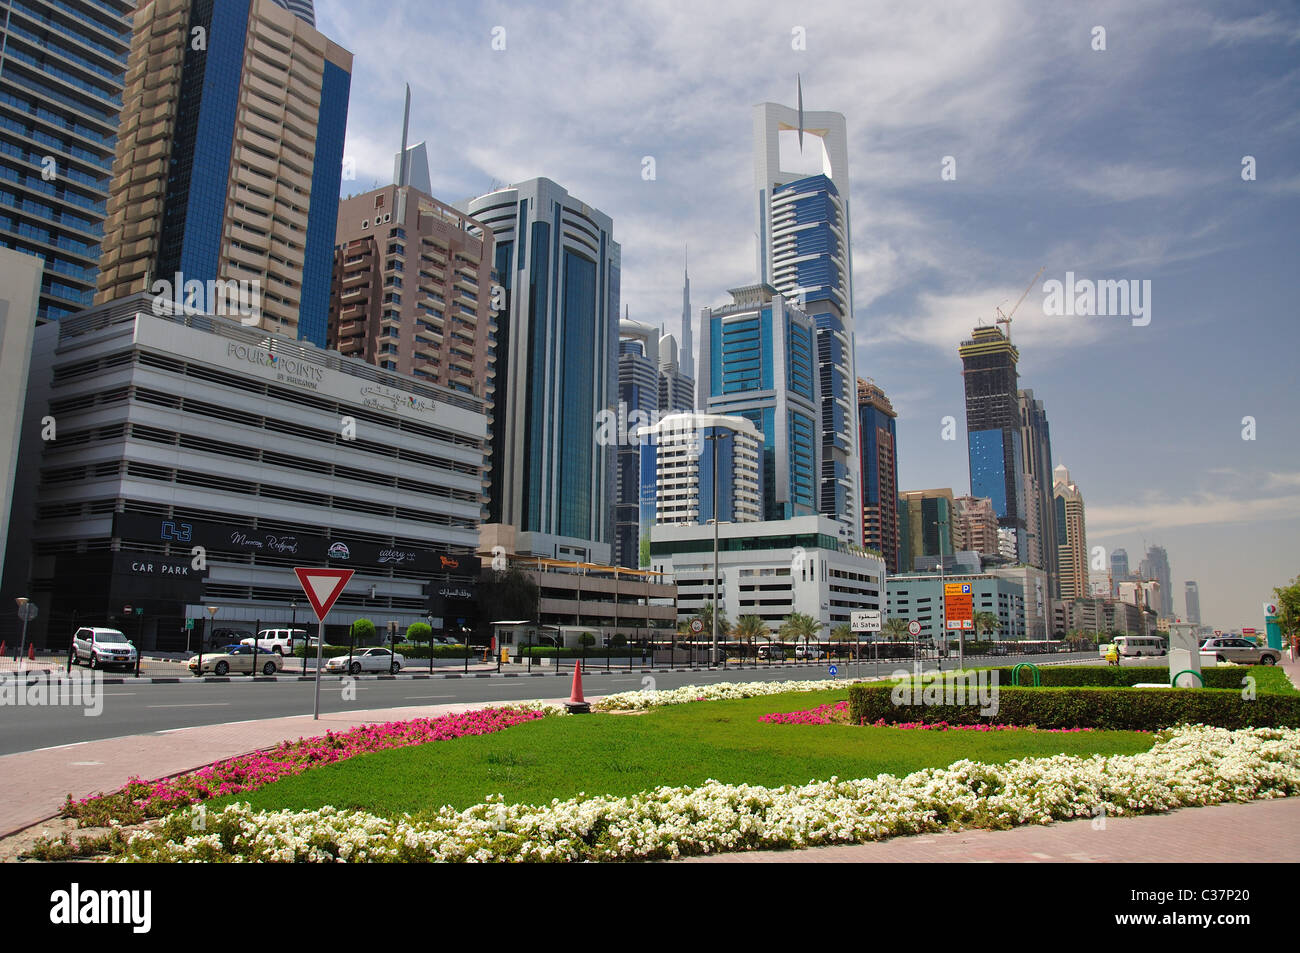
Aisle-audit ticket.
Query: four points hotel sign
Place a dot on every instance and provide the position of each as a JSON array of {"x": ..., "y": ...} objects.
[{"x": 958, "y": 605}]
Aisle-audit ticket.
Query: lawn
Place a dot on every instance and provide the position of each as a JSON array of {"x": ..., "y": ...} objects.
[{"x": 679, "y": 745}]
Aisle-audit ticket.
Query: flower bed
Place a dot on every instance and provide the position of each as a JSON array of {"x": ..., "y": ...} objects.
[
  {"x": 720, "y": 691},
  {"x": 838, "y": 713},
  {"x": 1188, "y": 766},
  {"x": 139, "y": 800}
]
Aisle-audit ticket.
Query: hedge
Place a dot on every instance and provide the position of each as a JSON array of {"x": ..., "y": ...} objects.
[
  {"x": 406, "y": 651},
  {"x": 1139, "y": 709},
  {"x": 550, "y": 651},
  {"x": 1268, "y": 678}
]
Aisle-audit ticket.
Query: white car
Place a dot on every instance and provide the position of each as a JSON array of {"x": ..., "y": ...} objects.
[
  {"x": 280, "y": 641},
  {"x": 101, "y": 648},
  {"x": 367, "y": 660}
]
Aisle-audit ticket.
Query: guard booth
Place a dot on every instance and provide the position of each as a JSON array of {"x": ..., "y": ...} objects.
[{"x": 1184, "y": 655}]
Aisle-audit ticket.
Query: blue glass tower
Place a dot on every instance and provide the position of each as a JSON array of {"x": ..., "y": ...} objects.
[
  {"x": 758, "y": 357},
  {"x": 61, "y": 73},
  {"x": 557, "y": 340},
  {"x": 803, "y": 230}
]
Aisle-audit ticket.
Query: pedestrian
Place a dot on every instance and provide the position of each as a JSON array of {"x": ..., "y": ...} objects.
[{"x": 1112, "y": 654}]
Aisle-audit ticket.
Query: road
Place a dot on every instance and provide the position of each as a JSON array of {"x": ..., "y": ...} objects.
[{"x": 141, "y": 707}]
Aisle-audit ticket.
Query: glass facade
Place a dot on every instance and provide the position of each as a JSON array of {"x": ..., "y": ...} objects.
[
  {"x": 322, "y": 217},
  {"x": 61, "y": 72}
]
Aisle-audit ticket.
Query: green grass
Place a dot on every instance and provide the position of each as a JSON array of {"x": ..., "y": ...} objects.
[{"x": 678, "y": 745}]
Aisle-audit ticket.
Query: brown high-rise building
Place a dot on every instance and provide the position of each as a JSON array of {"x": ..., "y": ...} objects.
[
  {"x": 228, "y": 162},
  {"x": 877, "y": 443},
  {"x": 412, "y": 289},
  {"x": 975, "y": 525}
]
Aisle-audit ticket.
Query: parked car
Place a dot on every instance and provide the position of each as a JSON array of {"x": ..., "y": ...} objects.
[
  {"x": 367, "y": 660},
  {"x": 1242, "y": 651},
  {"x": 809, "y": 652},
  {"x": 227, "y": 635},
  {"x": 237, "y": 659},
  {"x": 278, "y": 640},
  {"x": 103, "y": 648},
  {"x": 771, "y": 652}
]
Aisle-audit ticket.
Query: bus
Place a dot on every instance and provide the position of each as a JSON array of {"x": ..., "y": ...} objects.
[{"x": 1132, "y": 645}]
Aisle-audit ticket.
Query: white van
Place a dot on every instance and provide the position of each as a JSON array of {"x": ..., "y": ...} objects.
[{"x": 280, "y": 641}]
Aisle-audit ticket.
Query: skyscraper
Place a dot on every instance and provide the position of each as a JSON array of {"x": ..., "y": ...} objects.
[
  {"x": 412, "y": 289},
  {"x": 758, "y": 355},
  {"x": 638, "y": 401},
  {"x": 557, "y": 367},
  {"x": 681, "y": 452},
  {"x": 676, "y": 387},
  {"x": 687, "y": 355},
  {"x": 1119, "y": 571},
  {"x": 61, "y": 72},
  {"x": 975, "y": 526},
  {"x": 1192, "y": 594},
  {"x": 301, "y": 8},
  {"x": 925, "y": 522},
  {"x": 1040, "y": 514},
  {"x": 993, "y": 429},
  {"x": 878, "y": 443},
  {"x": 229, "y": 159},
  {"x": 804, "y": 253},
  {"x": 1071, "y": 536},
  {"x": 1156, "y": 566}
]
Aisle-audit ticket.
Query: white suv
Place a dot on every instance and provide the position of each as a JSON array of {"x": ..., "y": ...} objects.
[
  {"x": 101, "y": 648},
  {"x": 279, "y": 641}
]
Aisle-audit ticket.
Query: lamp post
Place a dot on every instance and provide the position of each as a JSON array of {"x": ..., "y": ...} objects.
[
  {"x": 293, "y": 628},
  {"x": 24, "y": 612},
  {"x": 715, "y": 437},
  {"x": 212, "y": 617}
]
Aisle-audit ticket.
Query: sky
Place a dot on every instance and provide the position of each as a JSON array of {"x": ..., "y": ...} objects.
[{"x": 1170, "y": 156}]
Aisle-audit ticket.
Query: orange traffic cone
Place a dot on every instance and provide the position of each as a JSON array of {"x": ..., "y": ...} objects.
[
  {"x": 31, "y": 651},
  {"x": 576, "y": 704}
]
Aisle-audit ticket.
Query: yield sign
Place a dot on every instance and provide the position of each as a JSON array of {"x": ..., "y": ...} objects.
[{"x": 322, "y": 587}]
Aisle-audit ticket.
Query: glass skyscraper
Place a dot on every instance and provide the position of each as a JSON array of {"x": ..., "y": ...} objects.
[
  {"x": 805, "y": 254},
  {"x": 758, "y": 359},
  {"x": 993, "y": 429},
  {"x": 61, "y": 72},
  {"x": 879, "y": 443},
  {"x": 557, "y": 367}
]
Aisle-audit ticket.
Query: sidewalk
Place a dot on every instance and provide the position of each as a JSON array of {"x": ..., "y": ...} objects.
[{"x": 35, "y": 784}]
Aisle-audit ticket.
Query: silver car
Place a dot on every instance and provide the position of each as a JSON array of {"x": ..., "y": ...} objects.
[
  {"x": 367, "y": 660},
  {"x": 1241, "y": 651}
]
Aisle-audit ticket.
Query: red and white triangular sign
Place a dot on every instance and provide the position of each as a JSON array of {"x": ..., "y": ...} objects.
[{"x": 322, "y": 587}]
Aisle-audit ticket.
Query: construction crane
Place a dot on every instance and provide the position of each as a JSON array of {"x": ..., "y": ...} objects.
[{"x": 1006, "y": 318}]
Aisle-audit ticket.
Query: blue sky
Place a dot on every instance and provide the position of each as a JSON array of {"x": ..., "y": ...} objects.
[{"x": 1117, "y": 164}]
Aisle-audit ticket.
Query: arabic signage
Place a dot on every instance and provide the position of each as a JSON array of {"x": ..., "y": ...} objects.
[
  {"x": 306, "y": 547},
  {"x": 379, "y": 397}
]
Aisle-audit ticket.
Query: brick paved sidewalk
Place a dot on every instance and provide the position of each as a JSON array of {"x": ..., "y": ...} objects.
[{"x": 35, "y": 784}]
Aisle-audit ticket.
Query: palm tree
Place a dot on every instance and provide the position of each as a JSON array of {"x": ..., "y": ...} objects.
[
  {"x": 986, "y": 623},
  {"x": 896, "y": 629},
  {"x": 842, "y": 633},
  {"x": 799, "y": 625},
  {"x": 705, "y": 615},
  {"x": 750, "y": 627}
]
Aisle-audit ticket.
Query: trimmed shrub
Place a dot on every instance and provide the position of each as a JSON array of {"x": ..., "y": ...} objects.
[
  {"x": 1268, "y": 678},
  {"x": 1139, "y": 709}
]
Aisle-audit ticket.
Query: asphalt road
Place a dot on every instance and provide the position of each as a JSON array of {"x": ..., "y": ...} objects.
[{"x": 137, "y": 708}]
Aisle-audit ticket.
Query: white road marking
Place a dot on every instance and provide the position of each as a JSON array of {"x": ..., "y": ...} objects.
[{"x": 194, "y": 705}]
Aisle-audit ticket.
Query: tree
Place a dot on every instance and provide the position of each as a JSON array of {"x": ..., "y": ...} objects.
[
  {"x": 799, "y": 625},
  {"x": 705, "y": 615},
  {"x": 896, "y": 629},
  {"x": 363, "y": 631},
  {"x": 586, "y": 639},
  {"x": 986, "y": 623},
  {"x": 419, "y": 632},
  {"x": 842, "y": 633},
  {"x": 751, "y": 627},
  {"x": 1288, "y": 607}
]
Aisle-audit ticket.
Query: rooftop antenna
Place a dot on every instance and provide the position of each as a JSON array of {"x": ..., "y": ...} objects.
[{"x": 799, "y": 80}]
